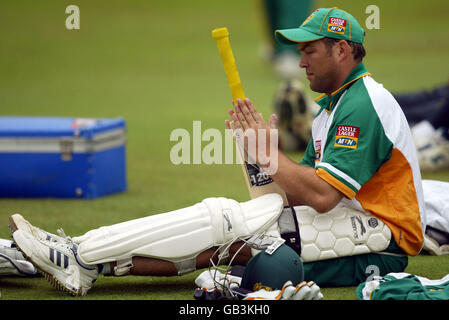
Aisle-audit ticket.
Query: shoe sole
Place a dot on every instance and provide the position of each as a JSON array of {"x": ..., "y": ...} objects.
[{"x": 50, "y": 278}]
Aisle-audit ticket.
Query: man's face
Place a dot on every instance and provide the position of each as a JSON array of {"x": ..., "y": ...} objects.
[{"x": 321, "y": 66}]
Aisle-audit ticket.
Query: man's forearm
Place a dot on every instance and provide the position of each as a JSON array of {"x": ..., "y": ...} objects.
[{"x": 304, "y": 187}]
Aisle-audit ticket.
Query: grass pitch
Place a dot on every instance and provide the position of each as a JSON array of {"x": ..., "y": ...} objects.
[{"x": 156, "y": 64}]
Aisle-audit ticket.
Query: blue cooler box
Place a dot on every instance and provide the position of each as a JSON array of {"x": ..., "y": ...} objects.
[{"x": 62, "y": 157}]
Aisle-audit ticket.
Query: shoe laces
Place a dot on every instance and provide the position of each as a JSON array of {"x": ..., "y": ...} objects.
[
  {"x": 73, "y": 247},
  {"x": 67, "y": 238}
]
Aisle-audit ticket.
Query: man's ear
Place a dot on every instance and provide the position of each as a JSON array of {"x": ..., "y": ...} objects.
[{"x": 344, "y": 50}]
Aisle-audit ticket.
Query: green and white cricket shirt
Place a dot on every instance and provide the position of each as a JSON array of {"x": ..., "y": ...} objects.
[
  {"x": 404, "y": 286},
  {"x": 362, "y": 145}
]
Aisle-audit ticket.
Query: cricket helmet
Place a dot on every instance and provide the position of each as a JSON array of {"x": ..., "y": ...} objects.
[{"x": 265, "y": 271}]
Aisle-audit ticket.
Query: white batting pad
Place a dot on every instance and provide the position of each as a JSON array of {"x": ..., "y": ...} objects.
[
  {"x": 181, "y": 234},
  {"x": 339, "y": 232}
]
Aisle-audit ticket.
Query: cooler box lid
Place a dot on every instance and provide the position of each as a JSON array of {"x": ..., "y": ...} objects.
[{"x": 57, "y": 126}]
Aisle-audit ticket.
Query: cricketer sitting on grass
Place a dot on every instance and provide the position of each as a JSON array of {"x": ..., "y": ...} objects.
[{"x": 356, "y": 197}]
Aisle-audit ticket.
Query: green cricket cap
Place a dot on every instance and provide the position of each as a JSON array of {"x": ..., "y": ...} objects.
[
  {"x": 324, "y": 22},
  {"x": 273, "y": 271}
]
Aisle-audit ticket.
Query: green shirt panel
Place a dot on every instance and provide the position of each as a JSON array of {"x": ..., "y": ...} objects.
[
  {"x": 372, "y": 149},
  {"x": 309, "y": 155}
]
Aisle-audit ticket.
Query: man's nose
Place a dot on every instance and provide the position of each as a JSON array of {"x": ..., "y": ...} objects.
[{"x": 303, "y": 63}]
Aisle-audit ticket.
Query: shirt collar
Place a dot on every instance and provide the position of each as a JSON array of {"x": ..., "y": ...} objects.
[{"x": 328, "y": 101}]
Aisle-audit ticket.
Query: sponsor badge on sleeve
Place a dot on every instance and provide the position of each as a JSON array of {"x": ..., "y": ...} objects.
[
  {"x": 347, "y": 136},
  {"x": 317, "y": 150}
]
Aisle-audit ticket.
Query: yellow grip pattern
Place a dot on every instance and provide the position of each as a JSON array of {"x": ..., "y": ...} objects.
[{"x": 221, "y": 36}]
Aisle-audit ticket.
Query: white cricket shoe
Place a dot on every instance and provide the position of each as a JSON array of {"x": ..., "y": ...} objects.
[
  {"x": 12, "y": 262},
  {"x": 434, "y": 155},
  {"x": 17, "y": 221},
  {"x": 58, "y": 262}
]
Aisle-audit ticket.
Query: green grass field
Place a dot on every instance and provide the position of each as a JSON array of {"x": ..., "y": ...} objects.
[{"x": 155, "y": 64}]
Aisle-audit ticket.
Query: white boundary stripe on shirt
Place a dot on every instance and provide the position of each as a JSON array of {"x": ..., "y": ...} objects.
[{"x": 341, "y": 174}]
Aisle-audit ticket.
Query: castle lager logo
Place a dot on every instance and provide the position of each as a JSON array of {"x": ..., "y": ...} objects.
[
  {"x": 336, "y": 25},
  {"x": 347, "y": 137},
  {"x": 317, "y": 150}
]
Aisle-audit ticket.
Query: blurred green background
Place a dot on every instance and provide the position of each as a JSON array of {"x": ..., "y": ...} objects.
[{"x": 156, "y": 64}]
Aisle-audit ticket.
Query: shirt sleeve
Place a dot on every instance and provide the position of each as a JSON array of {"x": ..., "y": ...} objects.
[
  {"x": 356, "y": 146},
  {"x": 309, "y": 155}
]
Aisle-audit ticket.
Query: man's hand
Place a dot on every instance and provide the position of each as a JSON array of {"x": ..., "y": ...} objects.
[
  {"x": 260, "y": 139},
  {"x": 301, "y": 183},
  {"x": 246, "y": 116}
]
